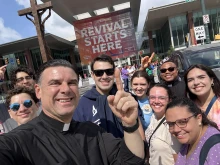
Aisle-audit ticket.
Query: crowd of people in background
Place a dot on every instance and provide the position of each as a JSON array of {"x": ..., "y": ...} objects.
[{"x": 132, "y": 115}]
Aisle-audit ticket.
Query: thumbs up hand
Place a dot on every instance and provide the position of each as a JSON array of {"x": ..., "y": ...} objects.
[{"x": 123, "y": 105}]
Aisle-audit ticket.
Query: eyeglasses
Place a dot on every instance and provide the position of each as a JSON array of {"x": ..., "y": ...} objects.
[
  {"x": 160, "y": 98},
  {"x": 181, "y": 123},
  {"x": 170, "y": 69},
  {"x": 18, "y": 80},
  {"x": 16, "y": 106},
  {"x": 100, "y": 73}
]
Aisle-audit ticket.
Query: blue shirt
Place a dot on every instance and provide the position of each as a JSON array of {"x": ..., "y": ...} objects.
[{"x": 147, "y": 112}]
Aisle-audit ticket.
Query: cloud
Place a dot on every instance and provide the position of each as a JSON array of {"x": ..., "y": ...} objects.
[
  {"x": 7, "y": 34},
  {"x": 55, "y": 24},
  {"x": 25, "y": 3},
  {"x": 147, "y": 4}
]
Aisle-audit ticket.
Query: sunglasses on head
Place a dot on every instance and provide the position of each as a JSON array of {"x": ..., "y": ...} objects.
[
  {"x": 16, "y": 106},
  {"x": 170, "y": 69},
  {"x": 100, "y": 73}
]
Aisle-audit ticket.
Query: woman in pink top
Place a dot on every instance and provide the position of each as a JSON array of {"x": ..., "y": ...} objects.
[{"x": 203, "y": 87}]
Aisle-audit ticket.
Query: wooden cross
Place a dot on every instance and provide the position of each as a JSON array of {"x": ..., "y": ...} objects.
[{"x": 36, "y": 11}]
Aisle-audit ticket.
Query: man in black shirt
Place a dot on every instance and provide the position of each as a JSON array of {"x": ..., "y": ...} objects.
[
  {"x": 169, "y": 75},
  {"x": 54, "y": 138}
]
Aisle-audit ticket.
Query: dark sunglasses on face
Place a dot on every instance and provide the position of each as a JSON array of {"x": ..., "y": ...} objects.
[
  {"x": 100, "y": 73},
  {"x": 26, "y": 78},
  {"x": 16, "y": 106},
  {"x": 170, "y": 69}
]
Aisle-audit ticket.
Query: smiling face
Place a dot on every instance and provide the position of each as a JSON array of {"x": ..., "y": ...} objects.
[
  {"x": 140, "y": 86},
  {"x": 58, "y": 91},
  {"x": 23, "y": 79},
  {"x": 23, "y": 114},
  {"x": 105, "y": 82},
  {"x": 169, "y": 76},
  {"x": 190, "y": 133},
  {"x": 158, "y": 98},
  {"x": 199, "y": 83}
]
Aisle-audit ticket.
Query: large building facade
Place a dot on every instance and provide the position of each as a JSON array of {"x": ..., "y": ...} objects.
[
  {"x": 173, "y": 25},
  {"x": 26, "y": 52}
]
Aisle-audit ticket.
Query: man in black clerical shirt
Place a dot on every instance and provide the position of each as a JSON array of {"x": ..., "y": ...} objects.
[{"x": 54, "y": 138}]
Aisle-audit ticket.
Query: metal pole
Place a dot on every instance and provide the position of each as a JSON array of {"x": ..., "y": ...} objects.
[{"x": 208, "y": 41}]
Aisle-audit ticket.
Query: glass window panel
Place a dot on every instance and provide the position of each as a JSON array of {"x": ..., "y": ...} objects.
[
  {"x": 178, "y": 20},
  {"x": 180, "y": 36}
]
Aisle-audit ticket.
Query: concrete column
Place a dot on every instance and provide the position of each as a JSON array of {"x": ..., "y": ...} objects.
[
  {"x": 191, "y": 28},
  {"x": 151, "y": 43},
  {"x": 171, "y": 33}
]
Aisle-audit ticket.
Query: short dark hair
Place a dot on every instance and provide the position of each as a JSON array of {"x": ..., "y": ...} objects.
[
  {"x": 192, "y": 108},
  {"x": 55, "y": 63},
  {"x": 102, "y": 58},
  {"x": 14, "y": 72},
  {"x": 141, "y": 73},
  {"x": 169, "y": 93},
  {"x": 19, "y": 90},
  {"x": 210, "y": 73}
]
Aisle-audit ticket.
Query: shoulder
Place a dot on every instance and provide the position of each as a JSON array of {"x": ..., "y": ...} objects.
[
  {"x": 22, "y": 132},
  {"x": 87, "y": 128},
  {"x": 213, "y": 156}
]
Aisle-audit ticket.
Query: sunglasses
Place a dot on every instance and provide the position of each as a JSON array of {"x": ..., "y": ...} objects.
[
  {"x": 16, "y": 106},
  {"x": 100, "y": 73},
  {"x": 170, "y": 69}
]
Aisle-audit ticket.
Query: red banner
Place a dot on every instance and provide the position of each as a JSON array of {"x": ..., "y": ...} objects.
[{"x": 112, "y": 34}]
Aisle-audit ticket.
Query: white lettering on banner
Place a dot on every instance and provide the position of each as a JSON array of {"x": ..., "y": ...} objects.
[
  {"x": 103, "y": 41},
  {"x": 106, "y": 46}
]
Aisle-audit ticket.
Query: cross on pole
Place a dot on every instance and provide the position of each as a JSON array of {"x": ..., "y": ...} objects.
[{"x": 36, "y": 11}]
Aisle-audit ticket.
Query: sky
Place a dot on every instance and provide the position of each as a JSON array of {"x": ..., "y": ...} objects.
[{"x": 14, "y": 27}]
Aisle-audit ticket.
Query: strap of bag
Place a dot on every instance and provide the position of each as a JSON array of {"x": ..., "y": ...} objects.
[
  {"x": 214, "y": 139},
  {"x": 156, "y": 129},
  {"x": 210, "y": 105}
]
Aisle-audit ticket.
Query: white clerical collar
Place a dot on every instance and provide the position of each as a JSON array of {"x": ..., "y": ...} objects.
[{"x": 66, "y": 127}]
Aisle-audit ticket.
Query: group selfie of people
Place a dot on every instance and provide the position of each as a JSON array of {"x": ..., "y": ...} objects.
[{"x": 126, "y": 118}]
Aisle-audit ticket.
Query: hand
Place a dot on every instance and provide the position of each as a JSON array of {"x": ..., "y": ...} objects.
[
  {"x": 2, "y": 72},
  {"x": 123, "y": 105},
  {"x": 145, "y": 62}
]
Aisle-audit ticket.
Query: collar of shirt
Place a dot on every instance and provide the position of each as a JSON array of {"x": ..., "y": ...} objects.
[{"x": 53, "y": 123}]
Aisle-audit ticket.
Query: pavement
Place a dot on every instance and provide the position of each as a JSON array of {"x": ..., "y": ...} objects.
[{"x": 85, "y": 87}]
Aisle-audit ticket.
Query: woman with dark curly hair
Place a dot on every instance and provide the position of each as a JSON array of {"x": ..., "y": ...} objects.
[{"x": 203, "y": 87}]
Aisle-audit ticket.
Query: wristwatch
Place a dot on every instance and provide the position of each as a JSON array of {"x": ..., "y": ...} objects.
[{"x": 131, "y": 129}]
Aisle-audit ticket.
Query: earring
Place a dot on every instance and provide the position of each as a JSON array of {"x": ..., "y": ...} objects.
[
  {"x": 200, "y": 124},
  {"x": 212, "y": 84}
]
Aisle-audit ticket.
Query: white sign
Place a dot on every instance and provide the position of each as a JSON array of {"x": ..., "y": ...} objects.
[
  {"x": 200, "y": 32},
  {"x": 206, "y": 19}
]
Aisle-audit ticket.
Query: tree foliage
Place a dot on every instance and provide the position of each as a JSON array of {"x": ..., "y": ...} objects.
[{"x": 170, "y": 51}]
